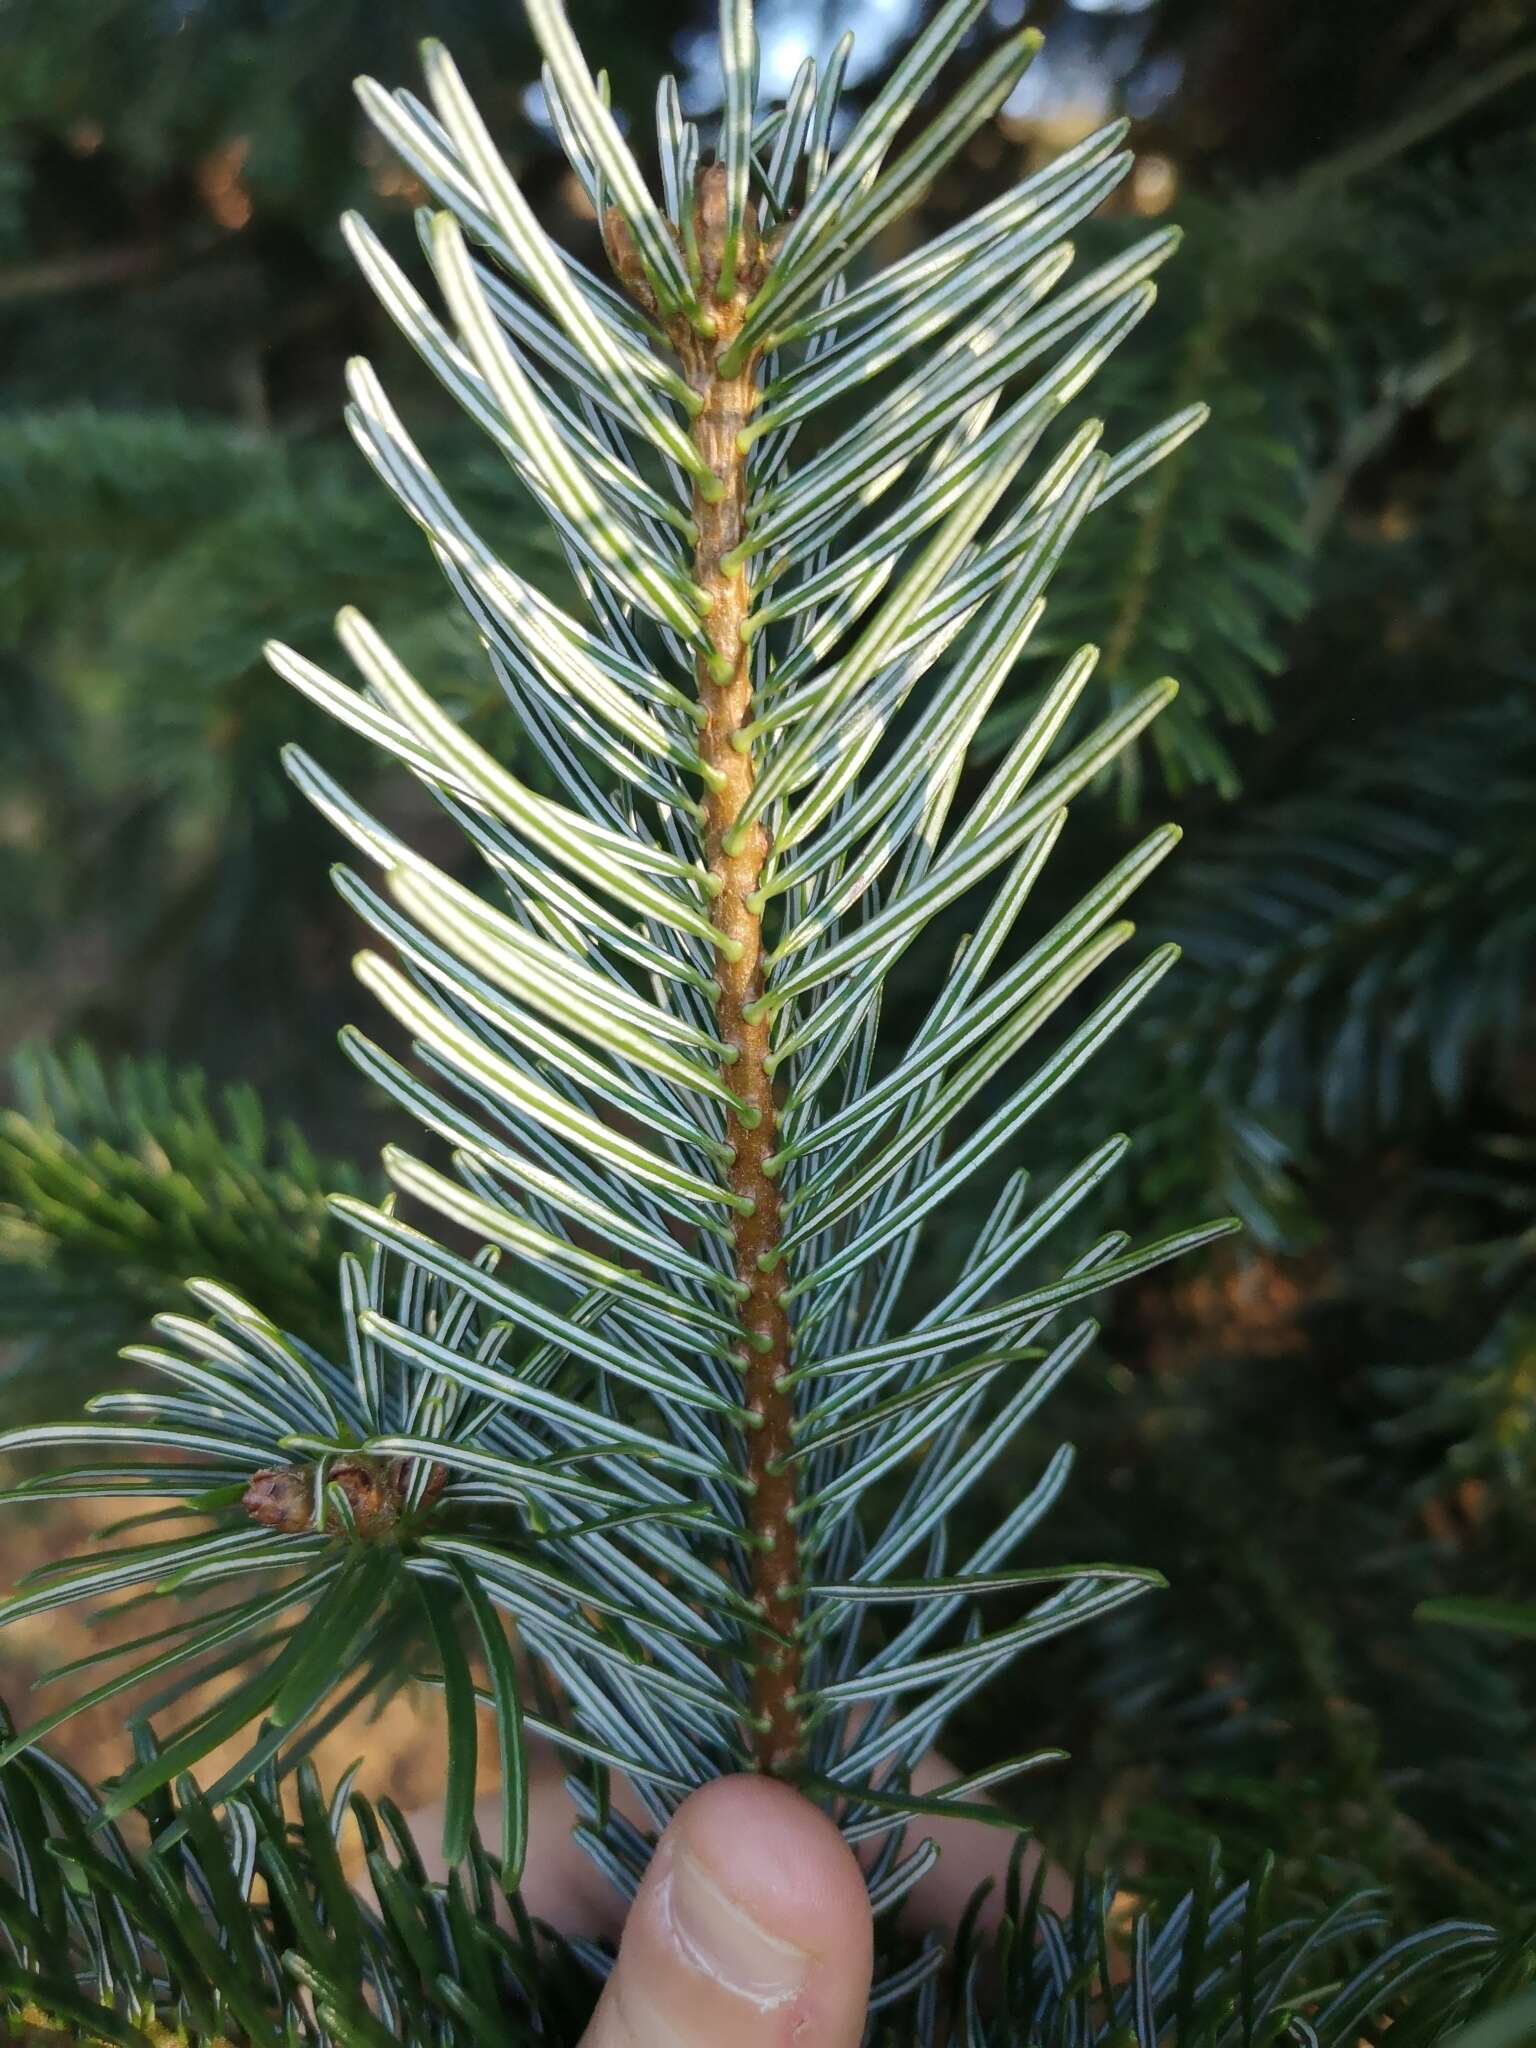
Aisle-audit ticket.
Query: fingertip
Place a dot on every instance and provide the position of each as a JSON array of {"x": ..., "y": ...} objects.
[
  {"x": 752, "y": 1927},
  {"x": 781, "y": 1860}
]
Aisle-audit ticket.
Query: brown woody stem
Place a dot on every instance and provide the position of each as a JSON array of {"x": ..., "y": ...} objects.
[
  {"x": 776, "y": 1562},
  {"x": 725, "y": 689}
]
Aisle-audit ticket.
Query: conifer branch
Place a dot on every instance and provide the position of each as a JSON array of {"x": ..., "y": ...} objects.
[{"x": 672, "y": 1131}]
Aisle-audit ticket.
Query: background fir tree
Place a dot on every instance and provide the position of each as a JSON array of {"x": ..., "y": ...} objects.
[{"x": 1346, "y": 562}]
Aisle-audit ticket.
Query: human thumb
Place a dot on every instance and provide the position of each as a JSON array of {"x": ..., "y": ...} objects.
[{"x": 752, "y": 1928}]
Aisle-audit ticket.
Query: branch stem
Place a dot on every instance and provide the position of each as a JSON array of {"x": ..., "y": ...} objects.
[
  {"x": 728, "y": 403},
  {"x": 725, "y": 400},
  {"x": 725, "y": 689}
]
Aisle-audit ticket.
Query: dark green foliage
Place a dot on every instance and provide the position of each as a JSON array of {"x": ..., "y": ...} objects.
[
  {"x": 1358, "y": 957},
  {"x": 146, "y": 559},
  {"x": 1222, "y": 1967},
  {"x": 1324, "y": 319},
  {"x": 118, "y": 1182},
  {"x": 248, "y": 1925},
  {"x": 1322, "y": 1506},
  {"x": 1318, "y": 1716}
]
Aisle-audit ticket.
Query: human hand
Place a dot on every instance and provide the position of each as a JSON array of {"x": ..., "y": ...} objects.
[
  {"x": 751, "y": 1930},
  {"x": 752, "y": 1927}
]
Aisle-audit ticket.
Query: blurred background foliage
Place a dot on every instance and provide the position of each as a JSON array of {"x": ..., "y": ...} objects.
[{"x": 1314, "y": 1435}]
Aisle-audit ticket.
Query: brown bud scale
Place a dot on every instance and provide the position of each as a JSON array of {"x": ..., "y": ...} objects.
[{"x": 284, "y": 1497}]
